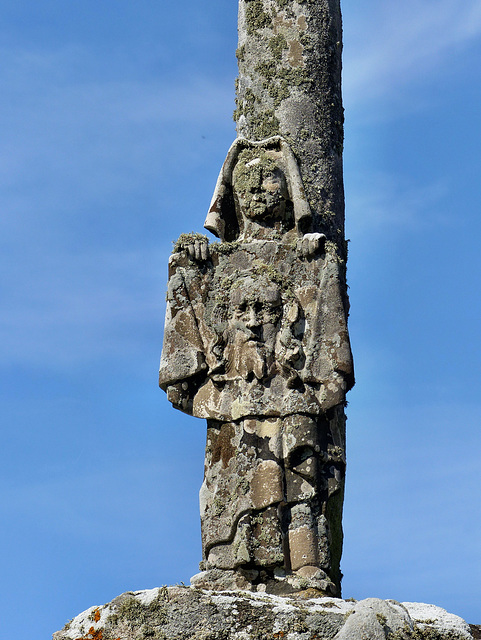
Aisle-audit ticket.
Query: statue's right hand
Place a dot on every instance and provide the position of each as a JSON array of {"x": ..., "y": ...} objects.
[
  {"x": 198, "y": 250},
  {"x": 195, "y": 245}
]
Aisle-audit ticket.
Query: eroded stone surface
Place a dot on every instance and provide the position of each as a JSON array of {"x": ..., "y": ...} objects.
[
  {"x": 256, "y": 342},
  {"x": 256, "y": 334},
  {"x": 255, "y": 331},
  {"x": 184, "y": 613}
]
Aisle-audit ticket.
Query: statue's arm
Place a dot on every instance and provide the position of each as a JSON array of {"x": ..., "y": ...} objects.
[
  {"x": 328, "y": 359},
  {"x": 182, "y": 364}
]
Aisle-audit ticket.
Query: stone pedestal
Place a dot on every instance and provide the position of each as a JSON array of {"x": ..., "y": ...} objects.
[{"x": 187, "y": 613}]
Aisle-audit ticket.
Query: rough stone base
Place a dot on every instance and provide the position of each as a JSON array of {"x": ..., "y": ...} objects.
[
  {"x": 278, "y": 584},
  {"x": 187, "y": 613}
]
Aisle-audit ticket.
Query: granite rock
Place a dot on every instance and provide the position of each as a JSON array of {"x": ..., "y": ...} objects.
[{"x": 186, "y": 613}]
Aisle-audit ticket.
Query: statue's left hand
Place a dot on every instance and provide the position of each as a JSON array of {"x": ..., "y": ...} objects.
[
  {"x": 310, "y": 243},
  {"x": 178, "y": 395}
]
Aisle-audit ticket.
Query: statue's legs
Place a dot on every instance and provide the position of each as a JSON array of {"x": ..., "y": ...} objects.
[
  {"x": 314, "y": 455},
  {"x": 241, "y": 493},
  {"x": 267, "y": 496}
]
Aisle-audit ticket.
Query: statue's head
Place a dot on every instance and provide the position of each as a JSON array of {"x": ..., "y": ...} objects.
[{"x": 259, "y": 186}]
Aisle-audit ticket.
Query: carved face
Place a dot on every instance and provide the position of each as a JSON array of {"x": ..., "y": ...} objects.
[
  {"x": 255, "y": 316},
  {"x": 260, "y": 188},
  {"x": 256, "y": 308}
]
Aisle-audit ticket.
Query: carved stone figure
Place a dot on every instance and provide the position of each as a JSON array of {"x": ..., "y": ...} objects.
[{"x": 256, "y": 342}]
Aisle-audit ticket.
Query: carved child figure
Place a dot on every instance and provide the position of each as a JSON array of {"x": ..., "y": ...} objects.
[{"x": 256, "y": 342}]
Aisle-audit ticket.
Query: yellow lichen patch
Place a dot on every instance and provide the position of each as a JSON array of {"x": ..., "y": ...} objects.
[
  {"x": 94, "y": 634},
  {"x": 265, "y": 428},
  {"x": 238, "y": 409},
  {"x": 269, "y": 428}
]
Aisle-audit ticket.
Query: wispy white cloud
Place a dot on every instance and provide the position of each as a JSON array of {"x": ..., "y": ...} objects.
[
  {"x": 70, "y": 136},
  {"x": 395, "y": 44},
  {"x": 73, "y": 309},
  {"x": 79, "y": 152},
  {"x": 379, "y": 202}
]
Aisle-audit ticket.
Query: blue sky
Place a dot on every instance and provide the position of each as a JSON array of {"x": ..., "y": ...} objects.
[{"x": 115, "y": 119}]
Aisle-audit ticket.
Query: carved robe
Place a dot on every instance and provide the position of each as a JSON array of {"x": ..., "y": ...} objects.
[
  {"x": 275, "y": 440},
  {"x": 189, "y": 361}
]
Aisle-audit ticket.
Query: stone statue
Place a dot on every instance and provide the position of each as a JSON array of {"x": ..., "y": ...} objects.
[{"x": 256, "y": 342}]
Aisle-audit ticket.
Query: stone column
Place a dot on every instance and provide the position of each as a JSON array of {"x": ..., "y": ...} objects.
[{"x": 289, "y": 84}]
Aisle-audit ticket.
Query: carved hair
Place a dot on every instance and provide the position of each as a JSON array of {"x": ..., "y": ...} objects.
[{"x": 220, "y": 220}]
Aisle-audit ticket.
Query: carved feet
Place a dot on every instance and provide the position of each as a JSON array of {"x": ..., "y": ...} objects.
[{"x": 263, "y": 581}]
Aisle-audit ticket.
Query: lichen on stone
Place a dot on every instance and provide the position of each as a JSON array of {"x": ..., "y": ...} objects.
[
  {"x": 277, "y": 44},
  {"x": 256, "y": 17},
  {"x": 187, "y": 239},
  {"x": 224, "y": 248},
  {"x": 265, "y": 124},
  {"x": 422, "y": 633},
  {"x": 278, "y": 92},
  {"x": 293, "y": 76},
  {"x": 178, "y": 613},
  {"x": 247, "y": 175},
  {"x": 240, "y": 53},
  {"x": 262, "y": 122}
]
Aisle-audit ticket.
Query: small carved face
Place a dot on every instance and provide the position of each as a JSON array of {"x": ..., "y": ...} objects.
[
  {"x": 260, "y": 188},
  {"x": 256, "y": 310}
]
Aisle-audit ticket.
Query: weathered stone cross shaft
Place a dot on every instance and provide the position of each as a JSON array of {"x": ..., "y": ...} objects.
[{"x": 256, "y": 334}]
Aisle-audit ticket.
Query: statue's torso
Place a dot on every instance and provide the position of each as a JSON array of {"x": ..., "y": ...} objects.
[{"x": 201, "y": 350}]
